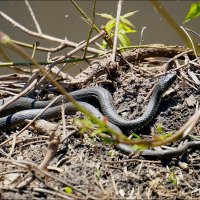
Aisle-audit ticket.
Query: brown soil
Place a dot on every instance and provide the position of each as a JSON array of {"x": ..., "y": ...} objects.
[{"x": 96, "y": 168}]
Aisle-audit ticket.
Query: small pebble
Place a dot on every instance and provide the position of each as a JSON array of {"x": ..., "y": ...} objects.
[
  {"x": 191, "y": 101},
  {"x": 183, "y": 166}
]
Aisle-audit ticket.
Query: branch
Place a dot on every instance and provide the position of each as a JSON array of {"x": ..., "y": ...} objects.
[
  {"x": 33, "y": 17},
  {"x": 44, "y": 36},
  {"x": 119, "y": 7},
  {"x": 174, "y": 25}
]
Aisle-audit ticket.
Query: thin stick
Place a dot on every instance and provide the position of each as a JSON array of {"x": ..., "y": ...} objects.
[
  {"x": 119, "y": 8},
  {"x": 33, "y": 17},
  {"x": 91, "y": 29},
  {"x": 35, "y": 118},
  {"x": 44, "y": 36},
  {"x": 12, "y": 147},
  {"x": 192, "y": 43},
  {"x": 84, "y": 15},
  {"x": 173, "y": 24},
  {"x": 63, "y": 119},
  {"x": 72, "y": 60},
  {"x": 55, "y": 194},
  {"x": 19, "y": 95},
  {"x": 70, "y": 54},
  {"x": 114, "y": 184},
  {"x": 30, "y": 46},
  {"x": 28, "y": 164},
  {"x": 192, "y": 31},
  {"x": 132, "y": 160},
  {"x": 141, "y": 35}
]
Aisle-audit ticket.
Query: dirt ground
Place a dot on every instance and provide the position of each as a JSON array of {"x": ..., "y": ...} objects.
[{"x": 90, "y": 169}]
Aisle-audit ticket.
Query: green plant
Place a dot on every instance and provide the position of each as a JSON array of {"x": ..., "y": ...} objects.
[
  {"x": 98, "y": 172},
  {"x": 86, "y": 124},
  {"x": 193, "y": 13},
  {"x": 160, "y": 130},
  {"x": 138, "y": 147},
  {"x": 173, "y": 179},
  {"x": 68, "y": 190},
  {"x": 125, "y": 26}
]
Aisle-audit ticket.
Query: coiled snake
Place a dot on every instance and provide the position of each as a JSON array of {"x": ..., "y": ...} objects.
[{"x": 27, "y": 108}]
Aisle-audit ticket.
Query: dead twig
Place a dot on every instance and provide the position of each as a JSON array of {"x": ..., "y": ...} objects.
[
  {"x": 33, "y": 17},
  {"x": 191, "y": 41},
  {"x": 132, "y": 160},
  {"x": 30, "y": 46},
  {"x": 54, "y": 193},
  {"x": 69, "y": 55},
  {"x": 91, "y": 29},
  {"x": 63, "y": 119},
  {"x": 22, "y": 93},
  {"x": 54, "y": 140},
  {"x": 119, "y": 8},
  {"x": 33, "y": 167},
  {"x": 26, "y": 180},
  {"x": 30, "y": 123},
  {"x": 12, "y": 147},
  {"x": 44, "y": 36},
  {"x": 114, "y": 184}
]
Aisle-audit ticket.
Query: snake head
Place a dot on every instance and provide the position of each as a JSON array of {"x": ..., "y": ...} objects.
[{"x": 167, "y": 80}]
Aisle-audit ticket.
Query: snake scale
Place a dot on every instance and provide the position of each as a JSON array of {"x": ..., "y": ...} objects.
[{"x": 27, "y": 108}]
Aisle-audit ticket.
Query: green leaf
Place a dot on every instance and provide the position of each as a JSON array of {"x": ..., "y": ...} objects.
[
  {"x": 129, "y": 14},
  {"x": 99, "y": 130},
  {"x": 108, "y": 140},
  {"x": 110, "y": 25},
  {"x": 124, "y": 40},
  {"x": 193, "y": 13},
  {"x": 121, "y": 47},
  {"x": 126, "y": 28},
  {"x": 132, "y": 31},
  {"x": 173, "y": 179},
  {"x": 98, "y": 174},
  {"x": 68, "y": 190},
  {"x": 168, "y": 134},
  {"x": 105, "y": 15},
  {"x": 136, "y": 136},
  {"x": 104, "y": 44},
  {"x": 123, "y": 26},
  {"x": 126, "y": 21},
  {"x": 123, "y": 31},
  {"x": 160, "y": 129},
  {"x": 111, "y": 153},
  {"x": 138, "y": 147}
]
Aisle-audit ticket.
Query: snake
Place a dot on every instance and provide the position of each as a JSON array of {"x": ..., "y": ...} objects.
[
  {"x": 26, "y": 109},
  {"x": 106, "y": 104}
]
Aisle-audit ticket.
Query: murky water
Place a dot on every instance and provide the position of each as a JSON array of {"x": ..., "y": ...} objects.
[{"x": 61, "y": 19}]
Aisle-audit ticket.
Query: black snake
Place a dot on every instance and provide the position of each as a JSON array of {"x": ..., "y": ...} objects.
[{"x": 27, "y": 108}]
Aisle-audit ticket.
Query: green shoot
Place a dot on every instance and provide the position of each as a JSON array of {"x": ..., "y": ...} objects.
[
  {"x": 125, "y": 27},
  {"x": 136, "y": 136},
  {"x": 193, "y": 13},
  {"x": 98, "y": 173},
  {"x": 173, "y": 179},
  {"x": 68, "y": 190},
  {"x": 160, "y": 130},
  {"x": 111, "y": 153}
]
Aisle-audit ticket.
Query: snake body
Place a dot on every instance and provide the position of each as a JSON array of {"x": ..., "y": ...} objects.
[
  {"x": 106, "y": 104},
  {"x": 27, "y": 108},
  {"x": 54, "y": 112}
]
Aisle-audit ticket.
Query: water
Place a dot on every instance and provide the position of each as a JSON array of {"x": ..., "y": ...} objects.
[{"x": 61, "y": 19}]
